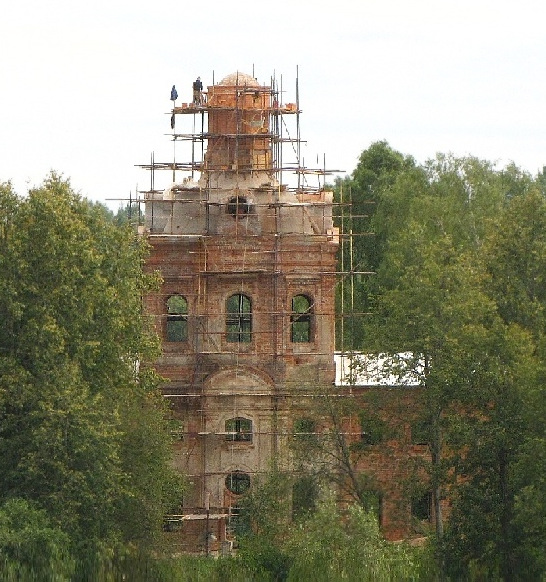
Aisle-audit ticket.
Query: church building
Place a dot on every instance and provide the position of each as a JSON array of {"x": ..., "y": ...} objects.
[{"x": 244, "y": 239}]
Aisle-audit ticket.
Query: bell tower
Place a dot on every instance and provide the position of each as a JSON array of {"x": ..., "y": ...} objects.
[
  {"x": 239, "y": 126},
  {"x": 246, "y": 308}
]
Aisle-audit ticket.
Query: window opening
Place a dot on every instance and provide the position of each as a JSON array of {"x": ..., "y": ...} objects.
[
  {"x": 421, "y": 507},
  {"x": 238, "y": 482},
  {"x": 304, "y": 496},
  {"x": 300, "y": 319},
  {"x": 233, "y": 520},
  {"x": 177, "y": 319},
  {"x": 372, "y": 429},
  {"x": 239, "y": 430},
  {"x": 238, "y": 319},
  {"x": 238, "y": 522},
  {"x": 420, "y": 432},
  {"x": 238, "y": 206},
  {"x": 305, "y": 430}
]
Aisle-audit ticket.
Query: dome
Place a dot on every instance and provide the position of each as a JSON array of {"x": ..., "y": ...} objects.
[{"x": 239, "y": 78}]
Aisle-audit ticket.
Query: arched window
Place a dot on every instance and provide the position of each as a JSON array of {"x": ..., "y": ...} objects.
[
  {"x": 300, "y": 319},
  {"x": 177, "y": 319},
  {"x": 238, "y": 482},
  {"x": 239, "y": 430},
  {"x": 238, "y": 318}
]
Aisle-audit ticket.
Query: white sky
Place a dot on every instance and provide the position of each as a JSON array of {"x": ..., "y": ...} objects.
[{"x": 85, "y": 86}]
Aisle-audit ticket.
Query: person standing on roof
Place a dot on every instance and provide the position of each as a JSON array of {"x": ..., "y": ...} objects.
[
  {"x": 197, "y": 88},
  {"x": 174, "y": 97}
]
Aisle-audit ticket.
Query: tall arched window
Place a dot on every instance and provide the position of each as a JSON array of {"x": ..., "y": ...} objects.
[
  {"x": 239, "y": 429},
  {"x": 301, "y": 319},
  {"x": 238, "y": 318},
  {"x": 177, "y": 319}
]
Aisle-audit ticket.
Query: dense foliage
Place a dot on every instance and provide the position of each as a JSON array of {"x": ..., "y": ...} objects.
[
  {"x": 459, "y": 263},
  {"x": 449, "y": 263},
  {"x": 323, "y": 543},
  {"x": 84, "y": 450}
]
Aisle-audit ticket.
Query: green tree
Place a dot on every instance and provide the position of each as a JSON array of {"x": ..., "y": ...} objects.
[
  {"x": 328, "y": 445},
  {"x": 83, "y": 434},
  {"x": 335, "y": 546},
  {"x": 30, "y": 547},
  {"x": 516, "y": 261},
  {"x": 366, "y": 214},
  {"x": 505, "y": 466},
  {"x": 482, "y": 529},
  {"x": 131, "y": 213},
  {"x": 435, "y": 304},
  {"x": 432, "y": 317},
  {"x": 323, "y": 544},
  {"x": 265, "y": 526},
  {"x": 368, "y": 193}
]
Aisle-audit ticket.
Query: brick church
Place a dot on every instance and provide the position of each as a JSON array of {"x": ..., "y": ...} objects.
[{"x": 246, "y": 311}]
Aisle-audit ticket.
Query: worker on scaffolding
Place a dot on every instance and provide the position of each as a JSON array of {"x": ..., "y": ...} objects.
[{"x": 197, "y": 88}]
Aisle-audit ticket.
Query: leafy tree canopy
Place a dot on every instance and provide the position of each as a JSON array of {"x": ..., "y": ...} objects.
[
  {"x": 459, "y": 284},
  {"x": 82, "y": 430}
]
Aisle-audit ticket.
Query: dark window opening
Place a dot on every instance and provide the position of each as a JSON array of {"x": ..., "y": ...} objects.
[
  {"x": 238, "y": 482},
  {"x": 238, "y": 319},
  {"x": 368, "y": 438},
  {"x": 238, "y": 206},
  {"x": 177, "y": 319},
  {"x": 420, "y": 432},
  {"x": 233, "y": 519},
  {"x": 239, "y": 521},
  {"x": 421, "y": 507},
  {"x": 304, "y": 496},
  {"x": 373, "y": 430},
  {"x": 239, "y": 430},
  {"x": 300, "y": 320}
]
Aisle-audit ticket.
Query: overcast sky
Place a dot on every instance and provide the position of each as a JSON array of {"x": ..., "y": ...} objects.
[{"x": 85, "y": 86}]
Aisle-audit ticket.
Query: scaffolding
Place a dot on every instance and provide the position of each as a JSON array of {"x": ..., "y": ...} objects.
[{"x": 240, "y": 217}]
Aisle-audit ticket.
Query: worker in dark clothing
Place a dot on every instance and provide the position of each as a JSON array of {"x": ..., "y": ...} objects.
[
  {"x": 197, "y": 88},
  {"x": 174, "y": 97}
]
